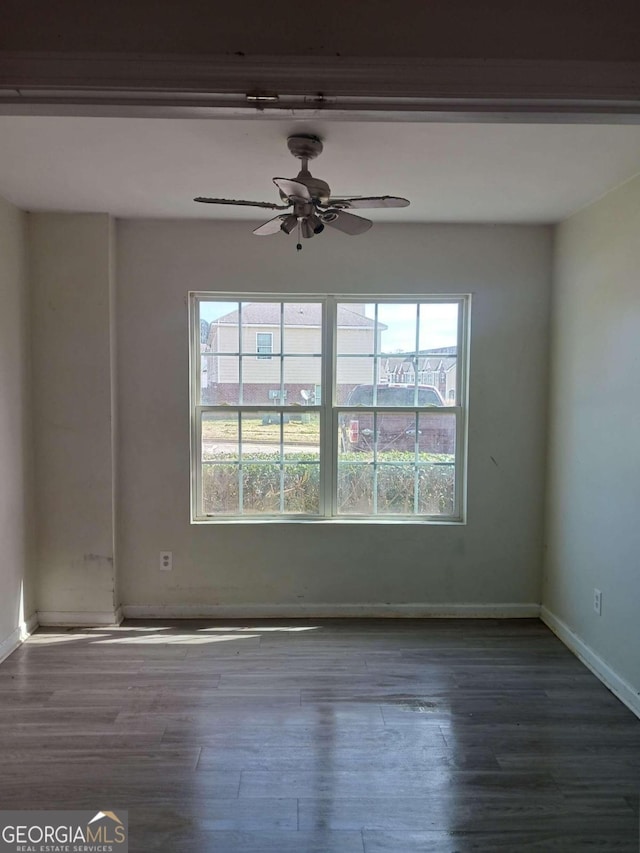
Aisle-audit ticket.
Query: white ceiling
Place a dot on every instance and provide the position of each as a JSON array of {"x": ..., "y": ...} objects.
[{"x": 137, "y": 167}]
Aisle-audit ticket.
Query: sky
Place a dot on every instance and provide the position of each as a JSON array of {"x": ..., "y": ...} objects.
[
  {"x": 438, "y": 323},
  {"x": 438, "y": 326}
]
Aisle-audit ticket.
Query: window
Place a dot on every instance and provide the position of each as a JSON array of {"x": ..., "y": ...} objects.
[
  {"x": 332, "y": 418},
  {"x": 264, "y": 344}
]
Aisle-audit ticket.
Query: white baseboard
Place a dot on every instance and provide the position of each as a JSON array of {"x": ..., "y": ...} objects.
[
  {"x": 17, "y": 637},
  {"x": 600, "y": 668},
  {"x": 80, "y": 619},
  {"x": 329, "y": 611}
]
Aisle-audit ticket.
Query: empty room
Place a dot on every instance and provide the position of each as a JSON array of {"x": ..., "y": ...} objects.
[{"x": 319, "y": 432}]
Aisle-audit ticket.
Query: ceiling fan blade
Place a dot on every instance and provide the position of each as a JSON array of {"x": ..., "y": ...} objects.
[
  {"x": 348, "y": 223},
  {"x": 374, "y": 201},
  {"x": 264, "y": 204},
  {"x": 292, "y": 189},
  {"x": 271, "y": 226}
]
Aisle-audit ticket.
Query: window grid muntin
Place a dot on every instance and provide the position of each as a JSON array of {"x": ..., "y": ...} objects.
[
  {"x": 244, "y": 459},
  {"x": 463, "y": 307},
  {"x": 376, "y": 463},
  {"x": 329, "y": 437}
]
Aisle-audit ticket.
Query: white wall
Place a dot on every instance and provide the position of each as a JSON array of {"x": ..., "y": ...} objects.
[
  {"x": 495, "y": 558},
  {"x": 593, "y": 528},
  {"x": 74, "y": 398},
  {"x": 16, "y": 513}
]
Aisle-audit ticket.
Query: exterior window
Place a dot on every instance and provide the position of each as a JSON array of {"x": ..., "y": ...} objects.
[
  {"x": 264, "y": 344},
  {"x": 333, "y": 417}
]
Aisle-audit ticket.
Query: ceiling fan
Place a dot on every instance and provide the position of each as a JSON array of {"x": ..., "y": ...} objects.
[{"x": 308, "y": 200}]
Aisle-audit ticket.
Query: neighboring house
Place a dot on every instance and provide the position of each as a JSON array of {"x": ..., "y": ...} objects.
[
  {"x": 437, "y": 367},
  {"x": 205, "y": 366},
  {"x": 302, "y": 345}
]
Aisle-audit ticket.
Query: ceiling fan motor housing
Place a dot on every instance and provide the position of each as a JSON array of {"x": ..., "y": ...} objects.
[
  {"x": 319, "y": 190},
  {"x": 305, "y": 148}
]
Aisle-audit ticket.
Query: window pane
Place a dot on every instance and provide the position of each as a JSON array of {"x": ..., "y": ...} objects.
[
  {"x": 261, "y": 436},
  {"x": 355, "y": 486},
  {"x": 438, "y": 325},
  {"x": 351, "y": 373},
  {"x": 395, "y": 433},
  {"x": 220, "y": 436},
  {"x": 302, "y": 486},
  {"x": 206, "y": 375},
  {"x": 260, "y": 318},
  {"x": 356, "y": 328},
  {"x": 396, "y": 489},
  {"x": 260, "y": 487},
  {"x": 303, "y": 327},
  {"x": 259, "y": 373},
  {"x": 438, "y": 357},
  {"x": 220, "y": 489},
  {"x": 397, "y": 327},
  {"x": 219, "y": 326},
  {"x": 437, "y": 435},
  {"x": 398, "y": 370},
  {"x": 301, "y": 376},
  {"x": 436, "y": 489},
  {"x": 219, "y": 378},
  {"x": 302, "y": 436}
]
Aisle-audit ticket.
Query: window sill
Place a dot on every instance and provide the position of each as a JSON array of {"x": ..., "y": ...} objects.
[{"x": 432, "y": 522}]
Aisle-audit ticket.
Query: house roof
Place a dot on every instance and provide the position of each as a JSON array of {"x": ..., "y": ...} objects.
[{"x": 295, "y": 314}]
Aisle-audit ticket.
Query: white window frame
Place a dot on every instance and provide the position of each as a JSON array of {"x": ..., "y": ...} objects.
[
  {"x": 260, "y": 351},
  {"x": 328, "y": 410}
]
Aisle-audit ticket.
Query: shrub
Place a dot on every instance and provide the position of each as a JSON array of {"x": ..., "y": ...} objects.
[{"x": 263, "y": 476}]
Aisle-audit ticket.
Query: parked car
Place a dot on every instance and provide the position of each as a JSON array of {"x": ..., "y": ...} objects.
[{"x": 396, "y": 430}]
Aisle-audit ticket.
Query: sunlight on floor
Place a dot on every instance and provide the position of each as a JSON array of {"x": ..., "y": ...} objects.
[
  {"x": 160, "y": 635},
  {"x": 264, "y": 630},
  {"x": 176, "y": 639},
  {"x": 53, "y": 639}
]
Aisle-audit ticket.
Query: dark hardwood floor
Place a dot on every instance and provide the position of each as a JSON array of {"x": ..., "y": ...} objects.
[{"x": 327, "y": 736}]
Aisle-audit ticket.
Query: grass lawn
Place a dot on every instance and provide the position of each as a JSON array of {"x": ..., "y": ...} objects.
[{"x": 254, "y": 430}]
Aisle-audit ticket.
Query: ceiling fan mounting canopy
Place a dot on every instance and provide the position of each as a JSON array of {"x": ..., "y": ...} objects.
[
  {"x": 305, "y": 146},
  {"x": 310, "y": 201}
]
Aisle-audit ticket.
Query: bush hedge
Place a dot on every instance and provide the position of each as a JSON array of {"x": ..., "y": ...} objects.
[{"x": 261, "y": 481}]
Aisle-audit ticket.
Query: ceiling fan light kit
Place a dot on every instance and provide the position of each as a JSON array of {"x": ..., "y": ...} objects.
[{"x": 309, "y": 201}]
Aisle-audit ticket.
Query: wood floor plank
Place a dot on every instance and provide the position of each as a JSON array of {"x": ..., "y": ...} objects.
[
  {"x": 472, "y": 812},
  {"x": 336, "y": 784},
  {"x": 543, "y": 841},
  {"x": 221, "y": 815},
  {"x": 255, "y": 842},
  {"x": 323, "y": 736},
  {"x": 320, "y": 736},
  {"x": 330, "y": 757}
]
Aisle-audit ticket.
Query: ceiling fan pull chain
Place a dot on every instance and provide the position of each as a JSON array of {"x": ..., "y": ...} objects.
[{"x": 299, "y": 244}]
